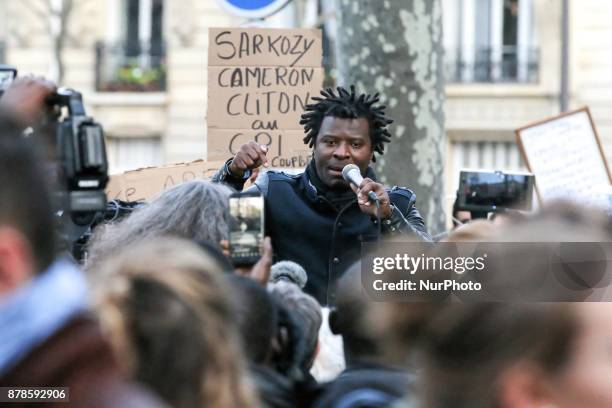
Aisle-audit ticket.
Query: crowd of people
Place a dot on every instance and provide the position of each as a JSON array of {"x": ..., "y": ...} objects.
[{"x": 157, "y": 315}]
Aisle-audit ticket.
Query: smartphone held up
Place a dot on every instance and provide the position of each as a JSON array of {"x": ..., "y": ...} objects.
[{"x": 246, "y": 229}]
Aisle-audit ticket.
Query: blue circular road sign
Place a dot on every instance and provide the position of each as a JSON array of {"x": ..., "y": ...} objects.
[{"x": 252, "y": 8}]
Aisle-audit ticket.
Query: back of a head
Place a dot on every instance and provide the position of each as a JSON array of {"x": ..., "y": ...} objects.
[
  {"x": 593, "y": 222},
  {"x": 25, "y": 203},
  {"x": 257, "y": 317},
  {"x": 197, "y": 210},
  {"x": 558, "y": 222},
  {"x": 379, "y": 332},
  {"x": 556, "y": 243},
  {"x": 166, "y": 308},
  {"x": 475, "y": 231},
  {"x": 352, "y": 318},
  {"x": 491, "y": 338},
  {"x": 306, "y": 313},
  {"x": 468, "y": 347}
]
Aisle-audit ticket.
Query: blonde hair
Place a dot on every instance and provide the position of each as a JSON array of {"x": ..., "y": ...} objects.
[{"x": 166, "y": 308}]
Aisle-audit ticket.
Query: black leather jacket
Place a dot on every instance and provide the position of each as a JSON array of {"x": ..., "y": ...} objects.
[{"x": 308, "y": 229}]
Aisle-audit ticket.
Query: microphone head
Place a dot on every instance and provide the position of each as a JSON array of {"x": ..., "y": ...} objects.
[
  {"x": 347, "y": 169},
  {"x": 289, "y": 271}
]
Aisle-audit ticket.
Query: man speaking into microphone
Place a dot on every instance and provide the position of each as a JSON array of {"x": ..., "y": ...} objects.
[{"x": 318, "y": 218}]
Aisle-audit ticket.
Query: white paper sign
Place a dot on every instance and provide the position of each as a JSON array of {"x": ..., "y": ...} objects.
[{"x": 566, "y": 158}]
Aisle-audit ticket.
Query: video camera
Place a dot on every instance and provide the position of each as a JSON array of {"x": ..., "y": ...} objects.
[
  {"x": 494, "y": 191},
  {"x": 7, "y": 74},
  {"x": 81, "y": 153},
  {"x": 81, "y": 165}
]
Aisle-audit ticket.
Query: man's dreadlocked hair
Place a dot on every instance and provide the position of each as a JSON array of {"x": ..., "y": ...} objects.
[{"x": 347, "y": 105}]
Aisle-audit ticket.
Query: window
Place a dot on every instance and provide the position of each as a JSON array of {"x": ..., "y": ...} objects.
[
  {"x": 490, "y": 41},
  {"x": 133, "y": 57},
  {"x": 143, "y": 27},
  {"x": 129, "y": 153},
  {"x": 131, "y": 35}
]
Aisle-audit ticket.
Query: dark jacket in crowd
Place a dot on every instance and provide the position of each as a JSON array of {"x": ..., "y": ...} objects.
[
  {"x": 323, "y": 230},
  {"x": 277, "y": 391},
  {"x": 79, "y": 358},
  {"x": 365, "y": 386}
]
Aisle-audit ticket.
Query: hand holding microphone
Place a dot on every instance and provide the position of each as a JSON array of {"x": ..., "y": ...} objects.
[
  {"x": 352, "y": 174},
  {"x": 375, "y": 192}
]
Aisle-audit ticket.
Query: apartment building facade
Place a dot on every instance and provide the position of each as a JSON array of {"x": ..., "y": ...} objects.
[{"x": 141, "y": 65}]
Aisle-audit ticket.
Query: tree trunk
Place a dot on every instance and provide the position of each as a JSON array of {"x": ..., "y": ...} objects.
[
  {"x": 394, "y": 47},
  {"x": 59, "y": 18}
]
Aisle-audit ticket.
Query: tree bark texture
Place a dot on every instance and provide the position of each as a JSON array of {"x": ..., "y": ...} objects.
[{"x": 394, "y": 47}]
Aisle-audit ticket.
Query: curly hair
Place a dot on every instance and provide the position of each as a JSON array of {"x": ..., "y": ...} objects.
[{"x": 347, "y": 105}]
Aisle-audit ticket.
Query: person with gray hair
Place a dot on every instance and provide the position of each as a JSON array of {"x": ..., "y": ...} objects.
[{"x": 197, "y": 210}]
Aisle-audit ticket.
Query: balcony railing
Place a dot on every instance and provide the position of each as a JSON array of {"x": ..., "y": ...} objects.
[
  {"x": 130, "y": 69},
  {"x": 493, "y": 65}
]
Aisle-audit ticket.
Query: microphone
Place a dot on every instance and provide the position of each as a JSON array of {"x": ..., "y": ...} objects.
[
  {"x": 288, "y": 271},
  {"x": 352, "y": 174}
]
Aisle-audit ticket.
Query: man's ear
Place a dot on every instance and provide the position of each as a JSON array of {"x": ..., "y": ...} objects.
[
  {"x": 16, "y": 262},
  {"x": 332, "y": 319}
]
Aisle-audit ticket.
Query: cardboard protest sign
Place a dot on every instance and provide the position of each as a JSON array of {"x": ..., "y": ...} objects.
[
  {"x": 275, "y": 102},
  {"x": 259, "y": 83},
  {"x": 566, "y": 156},
  {"x": 285, "y": 149},
  {"x": 114, "y": 187},
  {"x": 143, "y": 184},
  {"x": 265, "y": 47}
]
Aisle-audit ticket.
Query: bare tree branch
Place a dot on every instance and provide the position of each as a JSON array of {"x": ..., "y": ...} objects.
[{"x": 39, "y": 11}]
